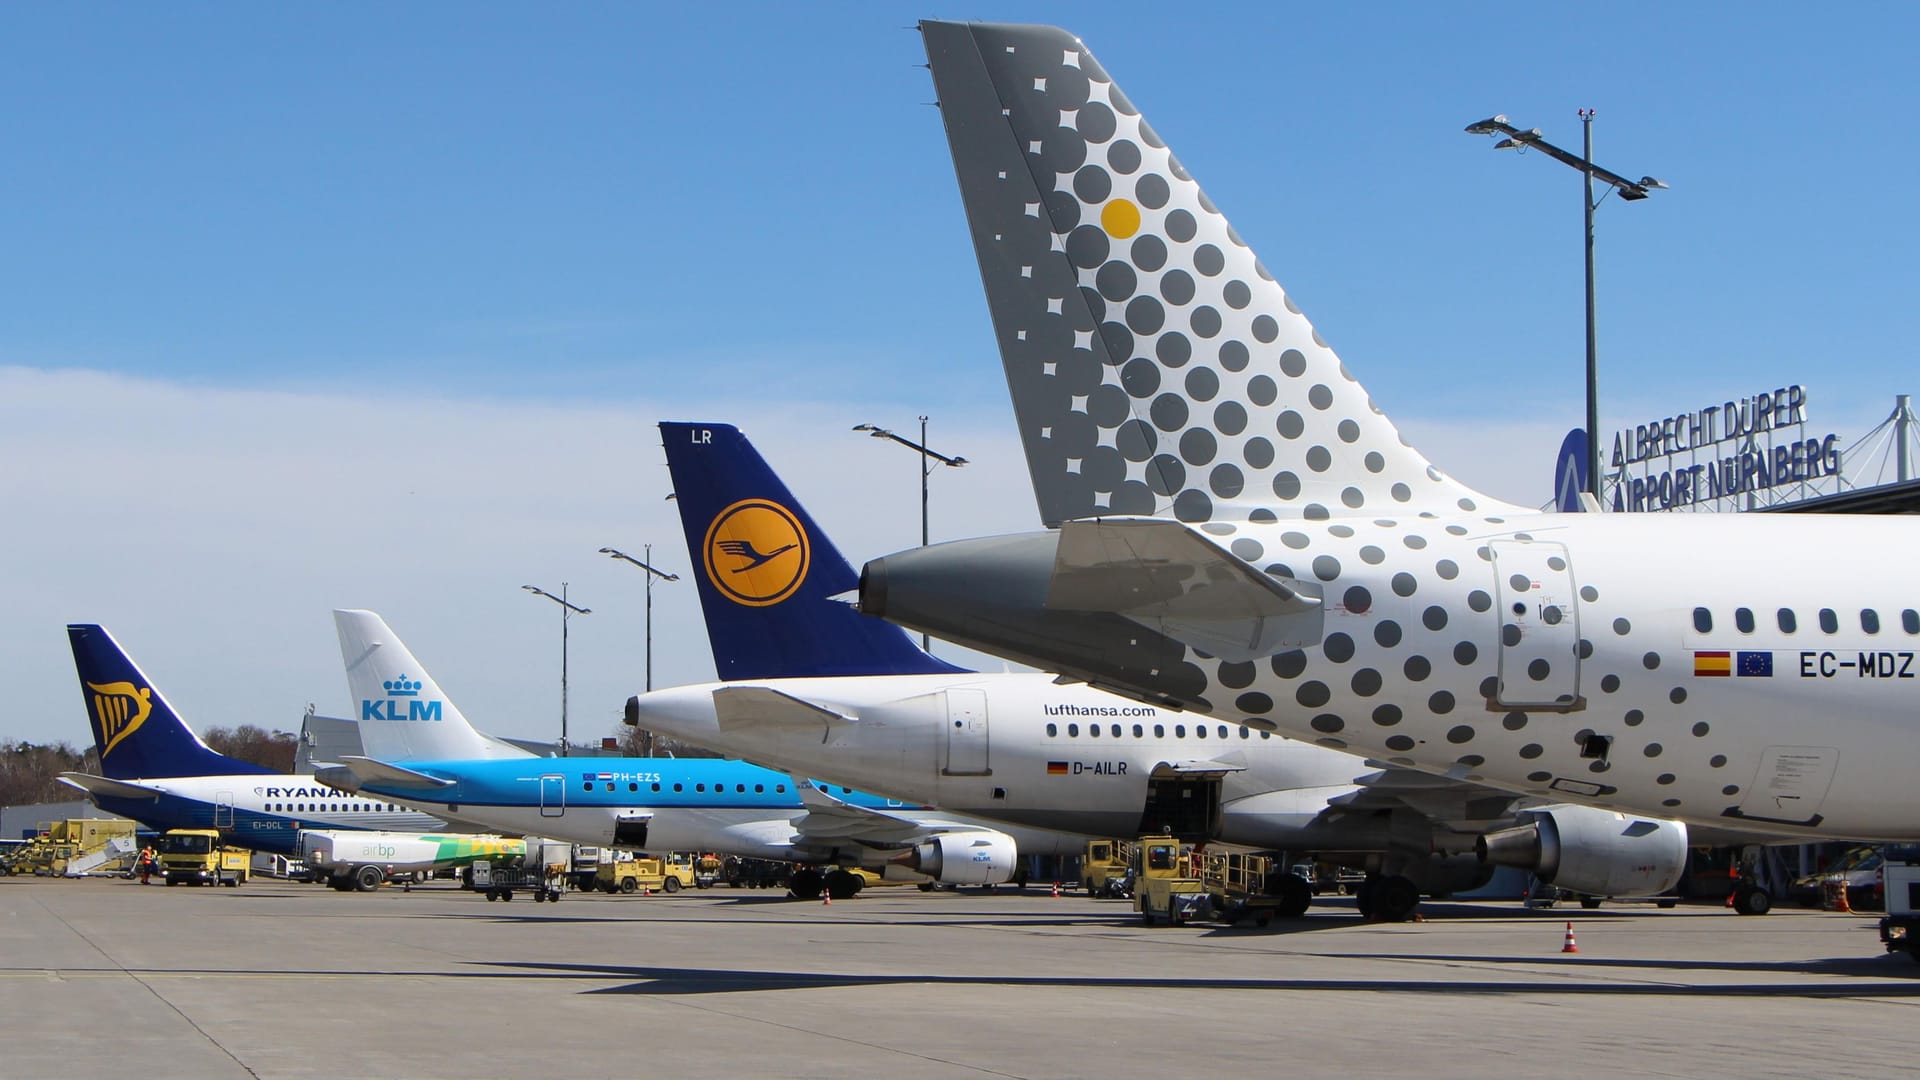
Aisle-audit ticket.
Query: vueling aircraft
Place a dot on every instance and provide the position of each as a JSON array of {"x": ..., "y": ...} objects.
[
  {"x": 1238, "y": 532},
  {"x": 159, "y": 773},
  {"x": 662, "y": 804},
  {"x": 1021, "y": 748}
]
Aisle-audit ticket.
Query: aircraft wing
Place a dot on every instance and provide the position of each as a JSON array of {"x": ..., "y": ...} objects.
[
  {"x": 829, "y": 820},
  {"x": 380, "y": 772},
  {"x": 1198, "y": 768},
  {"x": 759, "y": 707},
  {"x": 100, "y": 785},
  {"x": 1180, "y": 583},
  {"x": 1454, "y": 805}
]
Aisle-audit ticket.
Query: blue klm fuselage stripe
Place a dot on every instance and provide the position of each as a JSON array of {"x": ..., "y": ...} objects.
[{"x": 703, "y": 783}]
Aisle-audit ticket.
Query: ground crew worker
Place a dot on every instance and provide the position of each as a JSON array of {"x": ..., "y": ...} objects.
[{"x": 146, "y": 863}]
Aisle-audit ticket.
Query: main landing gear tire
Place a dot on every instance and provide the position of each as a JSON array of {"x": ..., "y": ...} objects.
[
  {"x": 1749, "y": 901},
  {"x": 1387, "y": 898},
  {"x": 843, "y": 885},
  {"x": 1295, "y": 897},
  {"x": 806, "y": 884}
]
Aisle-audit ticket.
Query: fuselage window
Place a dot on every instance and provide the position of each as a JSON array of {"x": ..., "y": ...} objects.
[
  {"x": 1244, "y": 733},
  {"x": 1266, "y": 734},
  {"x": 1179, "y": 731},
  {"x": 656, "y": 786},
  {"x": 1199, "y": 731},
  {"x": 1910, "y": 621},
  {"x": 678, "y": 787},
  {"x": 587, "y": 786},
  {"x": 1053, "y": 731},
  {"x": 1223, "y": 731},
  {"x": 780, "y": 788},
  {"x": 1743, "y": 618},
  {"x": 759, "y": 788},
  {"x": 739, "y": 789},
  {"x": 1138, "y": 731},
  {"x": 1703, "y": 620},
  {"x": 1073, "y": 730},
  {"x": 1093, "y": 731},
  {"x": 1829, "y": 622},
  {"x": 1116, "y": 731},
  {"x": 699, "y": 787},
  {"x": 1788, "y": 624},
  {"x": 609, "y": 785},
  {"x": 633, "y": 787},
  {"x": 1159, "y": 731},
  {"x": 1870, "y": 620}
]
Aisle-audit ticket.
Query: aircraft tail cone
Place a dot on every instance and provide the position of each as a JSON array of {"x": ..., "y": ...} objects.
[{"x": 1570, "y": 945}]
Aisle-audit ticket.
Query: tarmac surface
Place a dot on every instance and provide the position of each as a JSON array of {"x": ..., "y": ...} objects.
[{"x": 106, "y": 977}]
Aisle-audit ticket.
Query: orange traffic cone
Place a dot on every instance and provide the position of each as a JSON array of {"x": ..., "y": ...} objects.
[
  {"x": 1843, "y": 907},
  {"x": 1571, "y": 946},
  {"x": 1056, "y": 890}
]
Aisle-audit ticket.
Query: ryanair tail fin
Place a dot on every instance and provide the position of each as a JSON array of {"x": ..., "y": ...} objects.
[
  {"x": 767, "y": 574},
  {"x": 403, "y": 714},
  {"x": 138, "y": 734},
  {"x": 1157, "y": 369}
]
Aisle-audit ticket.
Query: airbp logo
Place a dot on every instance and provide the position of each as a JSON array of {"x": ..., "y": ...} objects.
[
  {"x": 119, "y": 708},
  {"x": 756, "y": 553}
]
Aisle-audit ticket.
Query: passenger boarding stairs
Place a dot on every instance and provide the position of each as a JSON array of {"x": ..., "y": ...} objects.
[{"x": 118, "y": 849}]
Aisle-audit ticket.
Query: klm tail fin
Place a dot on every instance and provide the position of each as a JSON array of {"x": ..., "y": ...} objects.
[
  {"x": 1156, "y": 368},
  {"x": 766, "y": 573},
  {"x": 138, "y": 734},
  {"x": 403, "y": 714}
]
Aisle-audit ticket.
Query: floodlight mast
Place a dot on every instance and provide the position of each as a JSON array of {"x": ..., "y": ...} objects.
[{"x": 1630, "y": 191}]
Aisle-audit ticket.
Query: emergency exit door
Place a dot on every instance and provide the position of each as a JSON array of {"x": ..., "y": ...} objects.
[{"x": 967, "y": 733}]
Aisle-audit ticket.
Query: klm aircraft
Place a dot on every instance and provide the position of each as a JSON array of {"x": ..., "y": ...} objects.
[
  {"x": 159, "y": 773},
  {"x": 657, "y": 804}
]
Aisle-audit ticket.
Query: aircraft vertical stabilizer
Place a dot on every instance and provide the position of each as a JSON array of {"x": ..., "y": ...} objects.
[
  {"x": 136, "y": 732},
  {"x": 767, "y": 573},
  {"x": 1156, "y": 367},
  {"x": 403, "y": 713}
]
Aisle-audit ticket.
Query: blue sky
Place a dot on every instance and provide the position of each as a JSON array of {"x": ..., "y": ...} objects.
[{"x": 564, "y": 225}]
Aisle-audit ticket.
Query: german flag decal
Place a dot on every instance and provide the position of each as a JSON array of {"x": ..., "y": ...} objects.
[
  {"x": 1056, "y": 768},
  {"x": 1712, "y": 665}
]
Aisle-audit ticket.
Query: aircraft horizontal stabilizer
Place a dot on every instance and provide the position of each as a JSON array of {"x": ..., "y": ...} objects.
[
  {"x": 1171, "y": 579},
  {"x": 748, "y": 707},
  {"x": 368, "y": 769},
  {"x": 1194, "y": 767},
  {"x": 100, "y": 785}
]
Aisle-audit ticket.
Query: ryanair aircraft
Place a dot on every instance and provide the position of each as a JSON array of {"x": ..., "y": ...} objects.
[
  {"x": 1237, "y": 531},
  {"x": 159, "y": 773}
]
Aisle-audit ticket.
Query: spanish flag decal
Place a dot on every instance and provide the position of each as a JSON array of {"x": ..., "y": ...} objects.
[{"x": 1712, "y": 665}]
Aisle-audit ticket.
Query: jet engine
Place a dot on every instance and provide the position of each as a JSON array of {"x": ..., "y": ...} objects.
[
  {"x": 977, "y": 857},
  {"x": 1592, "y": 851}
]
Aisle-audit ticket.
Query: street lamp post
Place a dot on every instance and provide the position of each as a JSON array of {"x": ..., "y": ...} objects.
[
  {"x": 567, "y": 611},
  {"x": 1630, "y": 191},
  {"x": 644, "y": 563},
  {"x": 927, "y": 460}
]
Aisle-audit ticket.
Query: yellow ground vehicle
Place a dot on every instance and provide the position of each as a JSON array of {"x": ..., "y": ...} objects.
[
  {"x": 1162, "y": 886},
  {"x": 76, "y": 847},
  {"x": 622, "y": 871},
  {"x": 1103, "y": 869},
  {"x": 197, "y": 857},
  {"x": 1253, "y": 886}
]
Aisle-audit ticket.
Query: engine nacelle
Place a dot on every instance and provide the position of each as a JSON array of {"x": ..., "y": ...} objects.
[
  {"x": 974, "y": 857},
  {"x": 1592, "y": 851}
]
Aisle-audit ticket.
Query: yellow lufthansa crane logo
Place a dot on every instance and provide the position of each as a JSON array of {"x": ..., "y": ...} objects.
[
  {"x": 756, "y": 553},
  {"x": 119, "y": 708}
]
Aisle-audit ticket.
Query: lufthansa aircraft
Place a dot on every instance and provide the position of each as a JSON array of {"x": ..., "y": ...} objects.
[
  {"x": 1237, "y": 531},
  {"x": 659, "y": 804},
  {"x": 159, "y": 773},
  {"x": 1020, "y": 748}
]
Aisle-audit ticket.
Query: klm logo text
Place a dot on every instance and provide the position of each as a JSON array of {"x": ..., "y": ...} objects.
[{"x": 400, "y": 710}]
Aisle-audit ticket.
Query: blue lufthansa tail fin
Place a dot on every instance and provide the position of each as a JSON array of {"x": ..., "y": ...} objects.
[
  {"x": 766, "y": 573},
  {"x": 136, "y": 732}
]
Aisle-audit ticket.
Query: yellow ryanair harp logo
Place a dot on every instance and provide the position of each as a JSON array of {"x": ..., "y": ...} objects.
[
  {"x": 119, "y": 708},
  {"x": 756, "y": 553}
]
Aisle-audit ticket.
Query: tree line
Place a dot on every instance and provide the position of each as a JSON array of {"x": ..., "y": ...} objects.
[{"x": 30, "y": 772}]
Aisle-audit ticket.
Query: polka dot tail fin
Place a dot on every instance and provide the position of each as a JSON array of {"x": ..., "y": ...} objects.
[{"x": 1157, "y": 369}]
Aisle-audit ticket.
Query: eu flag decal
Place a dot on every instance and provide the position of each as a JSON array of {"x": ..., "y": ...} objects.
[{"x": 1757, "y": 664}]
